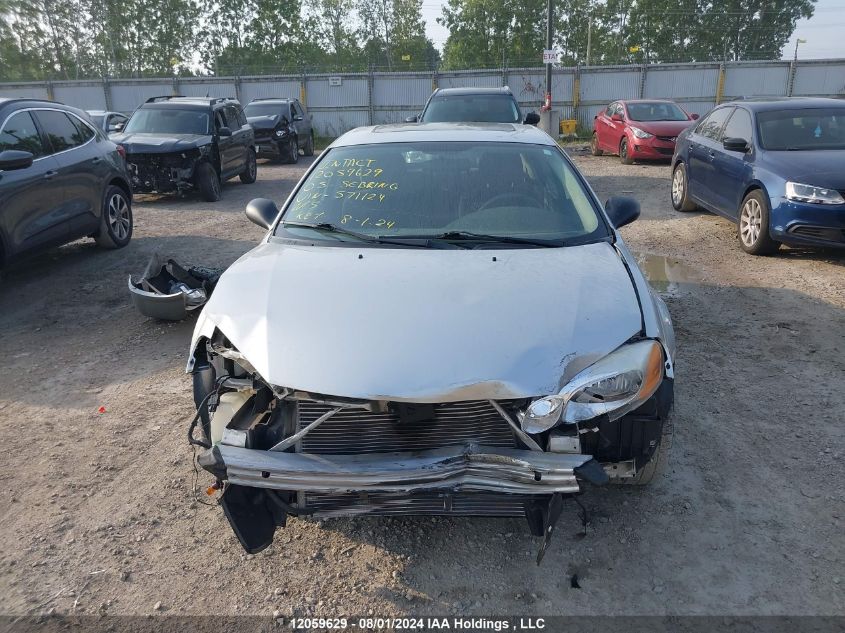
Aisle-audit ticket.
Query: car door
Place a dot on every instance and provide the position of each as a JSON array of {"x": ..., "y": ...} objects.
[
  {"x": 603, "y": 126},
  {"x": 81, "y": 165},
  {"x": 225, "y": 144},
  {"x": 703, "y": 143},
  {"x": 616, "y": 127},
  {"x": 299, "y": 124},
  {"x": 240, "y": 136},
  {"x": 307, "y": 129},
  {"x": 732, "y": 169},
  {"x": 31, "y": 199}
]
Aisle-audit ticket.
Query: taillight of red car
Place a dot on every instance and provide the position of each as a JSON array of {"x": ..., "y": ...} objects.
[{"x": 122, "y": 151}]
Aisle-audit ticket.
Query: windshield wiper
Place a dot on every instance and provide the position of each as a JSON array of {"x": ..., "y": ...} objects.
[
  {"x": 415, "y": 241},
  {"x": 502, "y": 239}
]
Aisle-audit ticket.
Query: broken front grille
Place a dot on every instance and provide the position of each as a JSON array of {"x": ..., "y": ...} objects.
[
  {"x": 431, "y": 504},
  {"x": 355, "y": 431}
]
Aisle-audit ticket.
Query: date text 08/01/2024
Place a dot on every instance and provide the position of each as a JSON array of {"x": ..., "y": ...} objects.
[{"x": 421, "y": 624}]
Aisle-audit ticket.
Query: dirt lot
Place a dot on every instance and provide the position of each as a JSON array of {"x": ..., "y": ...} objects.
[{"x": 97, "y": 513}]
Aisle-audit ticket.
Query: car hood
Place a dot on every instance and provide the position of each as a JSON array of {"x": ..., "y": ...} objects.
[
  {"x": 821, "y": 168},
  {"x": 662, "y": 128},
  {"x": 263, "y": 122},
  {"x": 423, "y": 325},
  {"x": 143, "y": 143}
]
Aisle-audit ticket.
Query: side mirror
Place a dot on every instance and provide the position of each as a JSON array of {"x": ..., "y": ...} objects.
[
  {"x": 15, "y": 159},
  {"x": 616, "y": 117},
  {"x": 532, "y": 118},
  {"x": 412, "y": 119},
  {"x": 622, "y": 210},
  {"x": 735, "y": 145},
  {"x": 262, "y": 212},
  {"x": 694, "y": 116},
  {"x": 224, "y": 131},
  {"x": 116, "y": 127}
]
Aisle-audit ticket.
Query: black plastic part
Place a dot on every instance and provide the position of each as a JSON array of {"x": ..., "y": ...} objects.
[
  {"x": 212, "y": 461},
  {"x": 593, "y": 472},
  {"x": 635, "y": 435},
  {"x": 252, "y": 515},
  {"x": 203, "y": 379},
  {"x": 550, "y": 518}
]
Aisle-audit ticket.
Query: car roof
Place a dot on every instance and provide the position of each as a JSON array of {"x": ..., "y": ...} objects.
[
  {"x": 504, "y": 90},
  {"x": 272, "y": 100},
  {"x": 762, "y": 104},
  {"x": 644, "y": 101},
  {"x": 444, "y": 132},
  {"x": 195, "y": 102}
]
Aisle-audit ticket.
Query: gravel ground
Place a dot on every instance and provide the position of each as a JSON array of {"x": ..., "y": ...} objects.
[{"x": 98, "y": 515}]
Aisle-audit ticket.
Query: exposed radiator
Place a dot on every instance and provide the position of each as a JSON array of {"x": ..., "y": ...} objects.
[
  {"x": 357, "y": 431},
  {"x": 458, "y": 504}
]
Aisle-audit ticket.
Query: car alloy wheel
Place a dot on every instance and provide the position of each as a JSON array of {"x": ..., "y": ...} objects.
[
  {"x": 750, "y": 222},
  {"x": 678, "y": 185},
  {"x": 119, "y": 217},
  {"x": 294, "y": 150}
]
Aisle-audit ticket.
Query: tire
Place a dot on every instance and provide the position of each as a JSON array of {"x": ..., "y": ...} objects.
[
  {"x": 594, "y": 146},
  {"x": 657, "y": 465},
  {"x": 250, "y": 172},
  {"x": 623, "y": 153},
  {"x": 208, "y": 182},
  {"x": 680, "y": 190},
  {"x": 115, "y": 219},
  {"x": 309, "y": 146},
  {"x": 753, "y": 231},
  {"x": 292, "y": 154}
]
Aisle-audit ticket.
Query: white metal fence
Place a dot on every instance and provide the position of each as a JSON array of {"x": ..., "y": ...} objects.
[{"x": 340, "y": 102}]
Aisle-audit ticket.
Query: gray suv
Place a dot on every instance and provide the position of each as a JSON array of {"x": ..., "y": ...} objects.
[
  {"x": 282, "y": 128},
  {"x": 60, "y": 179}
]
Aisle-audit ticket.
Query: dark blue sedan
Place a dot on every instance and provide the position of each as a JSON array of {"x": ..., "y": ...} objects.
[{"x": 775, "y": 167}]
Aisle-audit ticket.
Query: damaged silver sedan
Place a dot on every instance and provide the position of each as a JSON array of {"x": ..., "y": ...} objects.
[{"x": 442, "y": 319}]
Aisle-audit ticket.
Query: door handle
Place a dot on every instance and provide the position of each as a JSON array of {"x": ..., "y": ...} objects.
[
  {"x": 96, "y": 160},
  {"x": 49, "y": 174}
]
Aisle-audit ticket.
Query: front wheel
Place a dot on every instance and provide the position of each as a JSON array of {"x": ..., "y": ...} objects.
[
  {"x": 208, "y": 182},
  {"x": 659, "y": 459},
  {"x": 292, "y": 154},
  {"x": 115, "y": 220},
  {"x": 309, "y": 146},
  {"x": 680, "y": 190},
  {"x": 250, "y": 171},
  {"x": 623, "y": 153},
  {"x": 594, "y": 145},
  {"x": 753, "y": 231}
]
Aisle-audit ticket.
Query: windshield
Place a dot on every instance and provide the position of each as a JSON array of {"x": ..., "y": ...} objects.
[
  {"x": 805, "y": 129},
  {"x": 656, "y": 111},
  {"x": 264, "y": 109},
  {"x": 490, "y": 108},
  {"x": 168, "y": 121},
  {"x": 426, "y": 190}
]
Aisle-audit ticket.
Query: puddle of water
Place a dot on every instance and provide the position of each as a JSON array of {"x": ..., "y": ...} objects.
[{"x": 665, "y": 274}]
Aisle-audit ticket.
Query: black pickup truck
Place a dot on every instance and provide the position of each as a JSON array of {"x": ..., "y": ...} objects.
[{"x": 180, "y": 144}]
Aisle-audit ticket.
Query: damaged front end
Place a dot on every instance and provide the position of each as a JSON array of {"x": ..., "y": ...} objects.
[
  {"x": 278, "y": 452},
  {"x": 166, "y": 172}
]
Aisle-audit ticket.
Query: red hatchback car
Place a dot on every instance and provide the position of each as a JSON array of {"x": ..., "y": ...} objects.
[{"x": 639, "y": 129}]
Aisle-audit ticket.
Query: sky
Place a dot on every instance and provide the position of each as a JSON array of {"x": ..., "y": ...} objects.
[{"x": 824, "y": 32}]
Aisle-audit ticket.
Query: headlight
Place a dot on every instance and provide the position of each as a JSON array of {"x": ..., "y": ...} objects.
[
  {"x": 814, "y": 195},
  {"x": 613, "y": 386},
  {"x": 280, "y": 133},
  {"x": 640, "y": 133}
]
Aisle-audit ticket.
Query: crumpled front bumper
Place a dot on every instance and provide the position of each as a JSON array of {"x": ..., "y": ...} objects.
[{"x": 458, "y": 468}]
